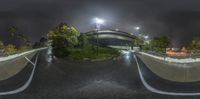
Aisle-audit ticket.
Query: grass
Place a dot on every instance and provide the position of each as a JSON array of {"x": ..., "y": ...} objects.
[{"x": 91, "y": 54}]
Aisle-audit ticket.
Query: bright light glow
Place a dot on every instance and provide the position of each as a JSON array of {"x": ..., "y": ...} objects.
[
  {"x": 127, "y": 56},
  {"x": 137, "y": 28},
  {"x": 125, "y": 52},
  {"x": 146, "y": 37},
  {"x": 99, "y": 21},
  {"x": 49, "y": 56},
  {"x": 116, "y": 29}
]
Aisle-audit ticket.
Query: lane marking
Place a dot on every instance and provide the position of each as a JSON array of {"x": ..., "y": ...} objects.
[
  {"x": 154, "y": 90},
  {"x": 22, "y": 88},
  {"x": 29, "y": 61}
]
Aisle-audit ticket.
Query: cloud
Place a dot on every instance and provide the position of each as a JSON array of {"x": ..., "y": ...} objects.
[{"x": 175, "y": 18}]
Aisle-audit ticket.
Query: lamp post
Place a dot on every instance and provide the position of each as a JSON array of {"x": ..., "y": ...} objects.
[{"x": 98, "y": 23}]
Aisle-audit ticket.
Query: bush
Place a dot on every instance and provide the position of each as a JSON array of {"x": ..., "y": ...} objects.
[
  {"x": 10, "y": 49},
  {"x": 60, "y": 52},
  {"x": 64, "y": 35},
  {"x": 1, "y": 45},
  {"x": 24, "y": 48}
]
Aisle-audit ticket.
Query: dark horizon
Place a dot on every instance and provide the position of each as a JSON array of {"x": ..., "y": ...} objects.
[{"x": 176, "y": 19}]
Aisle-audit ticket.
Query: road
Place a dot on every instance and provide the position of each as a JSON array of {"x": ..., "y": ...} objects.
[{"x": 64, "y": 79}]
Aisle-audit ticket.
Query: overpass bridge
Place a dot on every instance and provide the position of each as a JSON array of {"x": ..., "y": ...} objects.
[
  {"x": 113, "y": 38},
  {"x": 111, "y": 34}
]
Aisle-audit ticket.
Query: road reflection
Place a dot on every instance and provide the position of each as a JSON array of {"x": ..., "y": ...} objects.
[
  {"x": 49, "y": 56},
  {"x": 126, "y": 57}
]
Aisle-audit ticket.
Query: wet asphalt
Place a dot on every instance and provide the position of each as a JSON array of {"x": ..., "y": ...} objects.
[{"x": 116, "y": 78}]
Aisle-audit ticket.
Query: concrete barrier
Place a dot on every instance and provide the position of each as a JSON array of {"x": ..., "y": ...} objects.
[
  {"x": 174, "y": 60},
  {"x": 173, "y": 71},
  {"x": 19, "y": 54},
  {"x": 13, "y": 64}
]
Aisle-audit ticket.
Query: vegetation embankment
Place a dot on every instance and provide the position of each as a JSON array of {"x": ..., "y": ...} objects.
[
  {"x": 18, "y": 42},
  {"x": 159, "y": 45},
  {"x": 85, "y": 54}
]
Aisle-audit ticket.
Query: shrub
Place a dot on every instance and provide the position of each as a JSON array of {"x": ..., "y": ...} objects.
[
  {"x": 60, "y": 52},
  {"x": 103, "y": 53},
  {"x": 10, "y": 49},
  {"x": 1, "y": 45},
  {"x": 24, "y": 48}
]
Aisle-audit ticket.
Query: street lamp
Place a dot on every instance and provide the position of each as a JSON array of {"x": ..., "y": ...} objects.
[
  {"x": 146, "y": 37},
  {"x": 98, "y": 23},
  {"x": 137, "y": 28}
]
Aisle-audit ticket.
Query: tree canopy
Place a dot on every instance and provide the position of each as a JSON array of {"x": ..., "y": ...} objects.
[
  {"x": 15, "y": 33},
  {"x": 63, "y": 37},
  {"x": 159, "y": 43},
  {"x": 1, "y": 45},
  {"x": 138, "y": 41},
  {"x": 195, "y": 43},
  {"x": 9, "y": 49},
  {"x": 65, "y": 34}
]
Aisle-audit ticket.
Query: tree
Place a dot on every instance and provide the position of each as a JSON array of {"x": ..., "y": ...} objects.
[
  {"x": 43, "y": 42},
  {"x": 84, "y": 41},
  {"x": 9, "y": 49},
  {"x": 14, "y": 33},
  {"x": 159, "y": 43},
  {"x": 36, "y": 45},
  {"x": 138, "y": 41},
  {"x": 146, "y": 47},
  {"x": 195, "y": 44},
  {"x": 21, "y": 37},
  {"x": 64, "y": 36},
  {"x": 24, "y": 48},
  {"x": 1, "y": 45}
]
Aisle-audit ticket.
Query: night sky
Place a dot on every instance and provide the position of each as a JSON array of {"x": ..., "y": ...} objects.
[{"x": 178, "y": 19}]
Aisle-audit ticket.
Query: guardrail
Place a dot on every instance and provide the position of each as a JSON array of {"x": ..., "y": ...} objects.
[{"x": 4, "y": 58}]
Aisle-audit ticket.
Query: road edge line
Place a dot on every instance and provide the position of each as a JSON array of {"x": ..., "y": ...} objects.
[
  {"x": 22, "y": 88},
  {"x": 154, "y": 90}
]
